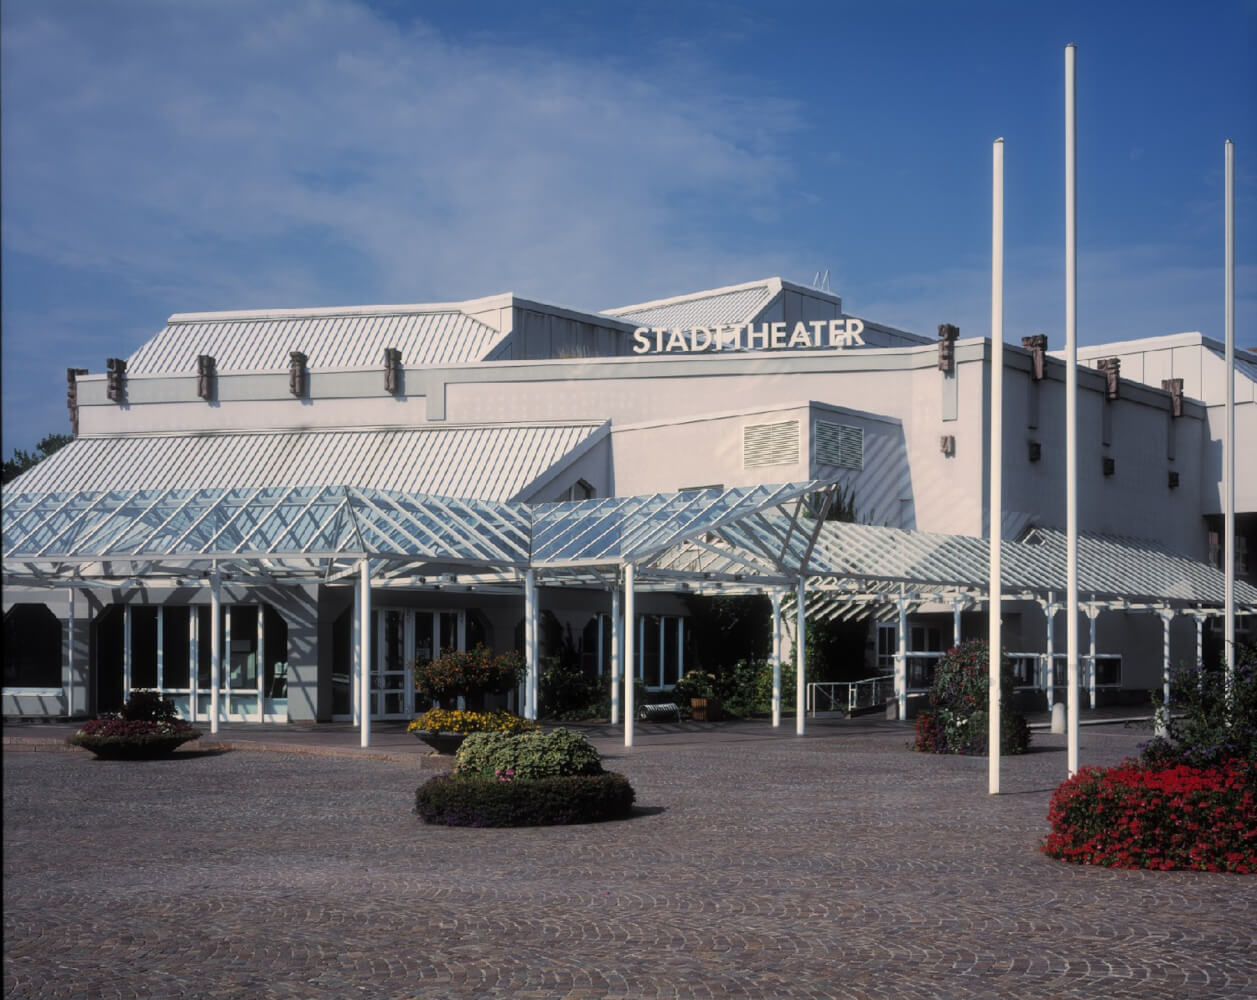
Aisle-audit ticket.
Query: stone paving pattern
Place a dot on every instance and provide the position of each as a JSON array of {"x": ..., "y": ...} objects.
[{"x": 758, "y": 864}]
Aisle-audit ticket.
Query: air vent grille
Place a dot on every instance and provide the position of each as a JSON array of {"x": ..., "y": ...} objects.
[
  {"x": 770, "y": 444},
  {"x": 839, "y": 445}
]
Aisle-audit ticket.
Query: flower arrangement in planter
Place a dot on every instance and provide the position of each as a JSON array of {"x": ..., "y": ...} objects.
[
  {"x": 526, "y": 779},
  {"x": 956, "y": 720},
  {"x": 471, "y": 674},
  {"x": 146, "y": 728},
  {"x": 444, "y": 729},
  {"x": 697, "y": 689}
]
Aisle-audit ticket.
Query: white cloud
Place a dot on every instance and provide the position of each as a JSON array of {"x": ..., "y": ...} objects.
[{"x": 237, "y": 147}]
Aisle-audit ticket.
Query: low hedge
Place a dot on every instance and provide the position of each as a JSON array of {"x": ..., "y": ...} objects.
[
  {"x": 451, "y": 800},
  {"x": 1134, "y": 816}
]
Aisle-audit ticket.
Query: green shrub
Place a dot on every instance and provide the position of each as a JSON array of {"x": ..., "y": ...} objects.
[
  {"x": 528, "y": 756},
  {"x": 568, "y": 692},
  {"x": 957, "y": 719},
  {"x": 148, "y": 706},
  {"x": 1200, "y": 728},
  {"x": 455, "y": 800}
]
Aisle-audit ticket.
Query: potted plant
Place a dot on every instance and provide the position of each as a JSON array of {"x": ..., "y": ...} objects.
[
  {"x": 444, "y": 729},
  {"x": 147, "y": 727},
  {"x": 700, "y": 689},
  {"x": 472, "y": 675}
]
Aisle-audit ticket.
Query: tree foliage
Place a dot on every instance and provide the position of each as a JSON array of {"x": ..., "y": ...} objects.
[{"x": 23, "y": 460}]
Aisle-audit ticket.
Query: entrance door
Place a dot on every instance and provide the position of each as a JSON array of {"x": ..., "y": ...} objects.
[{"x": 403, "y": 638}]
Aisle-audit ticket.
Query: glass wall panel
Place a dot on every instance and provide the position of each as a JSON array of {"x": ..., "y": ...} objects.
[
  {"x": 32, "y": 647},
  {"x": 143, "y": 646},
  {"x": 176, "y": 648}
]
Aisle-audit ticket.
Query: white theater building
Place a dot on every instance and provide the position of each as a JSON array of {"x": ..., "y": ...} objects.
[{"x": 386, "y": 481}]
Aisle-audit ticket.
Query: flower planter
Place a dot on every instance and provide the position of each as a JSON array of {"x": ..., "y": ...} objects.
[
  {"x": 131, "y": 748},
  {"x": 705, "y": 709},
  {"x": 445, "y": 743}
]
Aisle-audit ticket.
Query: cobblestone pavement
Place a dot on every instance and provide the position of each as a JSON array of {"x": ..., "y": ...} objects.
[{"x": 758, "y": 864}]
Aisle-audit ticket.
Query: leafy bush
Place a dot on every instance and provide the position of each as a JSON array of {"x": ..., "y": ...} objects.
[
  {"x": 957, "y": 719},
  {"x": 1133, "y": 816},
  {"x": 695, "y": 684},
  {"x": 444, "y": 720},
  {"x": 470, "y": 674},
  {"x": 455, "y": 800},
  {"x": 746, "y": 688},
  {"x": 148, "y": 706},
  {"x": 1199, "y": 728},
  {"x": 558, "y": 753},
  {"x": 568, "y": 692}
]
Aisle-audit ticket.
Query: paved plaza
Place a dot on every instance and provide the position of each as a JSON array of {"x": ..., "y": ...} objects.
[{"x": 758, "y": 864}]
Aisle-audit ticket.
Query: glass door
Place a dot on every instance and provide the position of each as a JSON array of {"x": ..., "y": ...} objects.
[
  {"x": 392, "y": 693},
  {"x": 434, "y": 632}
]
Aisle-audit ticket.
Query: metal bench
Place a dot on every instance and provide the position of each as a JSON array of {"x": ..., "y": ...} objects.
[{"x": 663, "y": 712}]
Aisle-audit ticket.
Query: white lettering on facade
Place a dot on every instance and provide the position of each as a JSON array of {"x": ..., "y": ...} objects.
[{"x": 816, "y": 334}]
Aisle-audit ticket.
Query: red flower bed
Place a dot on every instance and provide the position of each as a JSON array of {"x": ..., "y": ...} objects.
[{"x": 1131, "y": 816}]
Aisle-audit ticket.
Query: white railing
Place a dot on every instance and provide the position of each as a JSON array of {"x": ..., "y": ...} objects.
[
  {"x": 1103, "y": 670},
  {"x": 847, "y": 696}
]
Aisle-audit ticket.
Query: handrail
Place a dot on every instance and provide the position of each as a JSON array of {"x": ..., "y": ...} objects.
[{"x": 864, "y": 693}]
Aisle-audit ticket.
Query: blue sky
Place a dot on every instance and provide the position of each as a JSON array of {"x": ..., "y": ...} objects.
[{"x": 174, "y": 157}]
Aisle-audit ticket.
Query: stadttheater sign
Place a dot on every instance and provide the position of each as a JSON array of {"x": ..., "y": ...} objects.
[{"x": 814, "y": 334}]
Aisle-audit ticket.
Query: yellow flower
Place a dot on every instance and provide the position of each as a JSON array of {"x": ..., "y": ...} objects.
[{"x": 442, "y": 720}]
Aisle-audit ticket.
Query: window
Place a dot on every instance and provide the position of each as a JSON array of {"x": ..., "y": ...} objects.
[
  {"x": 32, "y": 647},
  {"x": 579, "y": 490},
  {"x": 839, "y": 445},
  {"x": 770, "y": 444}
]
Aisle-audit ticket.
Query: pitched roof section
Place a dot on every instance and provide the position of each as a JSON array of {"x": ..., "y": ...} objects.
[
  {"x": 715, "y": 307},
  {"x": 487, "y": 463},
  {"x": 244, "y": 342}
]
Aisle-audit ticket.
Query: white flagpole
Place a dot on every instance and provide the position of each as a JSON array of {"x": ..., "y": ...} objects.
[
  {"x": 1071, "y": 412},
  {"x": 994, "y": 639},
  {"x": 1229, "y": 517}
]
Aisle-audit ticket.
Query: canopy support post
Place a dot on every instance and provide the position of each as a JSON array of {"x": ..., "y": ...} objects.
[
  {"x": 630, "y": 670},
  {"x": 776, "y": 658},
  {"x": 901, "y": 660},
  {"x": 216, "y": 646},
  {"x": 364, "y": 649},
  {"x": 617, "y": 652},
  {"x": 530, "y": 644},
  {"x": 800, "y": 672}
]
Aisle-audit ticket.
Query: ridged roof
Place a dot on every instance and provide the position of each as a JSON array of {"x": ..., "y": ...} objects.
[
  {"x": 342, "y": 339},
  {"x": 487, "y": 463},
  {"x": 717, "y": 307}
]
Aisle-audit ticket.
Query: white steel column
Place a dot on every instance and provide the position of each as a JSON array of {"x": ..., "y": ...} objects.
[
  {"x": 680, "y": 646},
  {"x": 530, "y": 644},
  {"x": 364, "y": 648},
  {"x": 1166, "y": 618},
  {"x": 216, "y": 646},
  {"x": 776, "y": 657},
  {"x": 161, "y": 649},
  {"x": 1092, "y": 614},
  {"x": 1071, "y": 411},
  {"x": 1049, "y": 614},
  {"x": 355, "y": 658},
  {"x": 630, "y": 669},
  {"x": 995, "y": 642},
  {"x": 617, "y": 653},
  {"x": 1228, "y": 623},
  {"x": 800, "y": 673},
  {"x": 126, "y": 651},
  {"x": 194, "y": 661},
  {"x": 901, "y": 662},
  {"x": 68, "y": 677},
  {"x": 955, "y": 621}
]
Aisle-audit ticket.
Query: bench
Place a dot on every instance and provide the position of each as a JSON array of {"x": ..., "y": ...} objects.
[{"x": 664, "y": 712}]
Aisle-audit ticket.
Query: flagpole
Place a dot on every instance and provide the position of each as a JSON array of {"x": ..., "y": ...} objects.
[
  {"x": 994, "y": 640},
  {"x": 1071, "y": 411}
]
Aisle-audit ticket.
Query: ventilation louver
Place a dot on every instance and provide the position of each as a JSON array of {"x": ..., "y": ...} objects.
[
  {"x": 839, "y": 445},
  {"x": 770, "y": 444}
]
